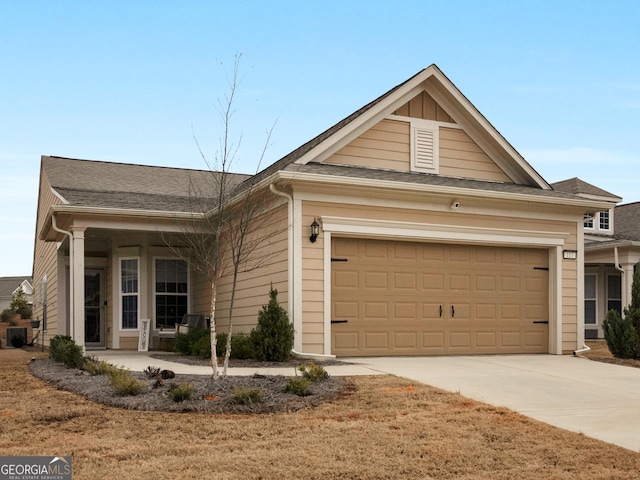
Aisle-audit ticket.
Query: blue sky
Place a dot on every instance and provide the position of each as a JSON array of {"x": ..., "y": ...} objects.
[{"x": 133, "y": 82}]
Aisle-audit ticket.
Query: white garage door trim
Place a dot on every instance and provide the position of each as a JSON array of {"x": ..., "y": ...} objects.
[{"x": 367, "y": 228}]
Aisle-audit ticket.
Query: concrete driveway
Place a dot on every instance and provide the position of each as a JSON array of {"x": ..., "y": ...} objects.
[{"x": 597, "y": 399}]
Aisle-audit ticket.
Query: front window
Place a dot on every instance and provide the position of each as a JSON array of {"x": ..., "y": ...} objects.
[
  {"x": 590, "y": 299},
  {"x": 129, "y": 292},
  {"x": 614, "y": 293},
  {"x": 588, "y": 221},
  {"x": 604, "y": 220},
  {"x": 171, "y": 291}
]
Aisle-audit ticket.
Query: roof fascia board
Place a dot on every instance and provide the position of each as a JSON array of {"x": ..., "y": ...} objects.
[
  {"x": 440, "y": 189},
  {"x": 598, "y": 246},
  {"x": 465, "y": 113},
  {"x": 369, "y": 118}
]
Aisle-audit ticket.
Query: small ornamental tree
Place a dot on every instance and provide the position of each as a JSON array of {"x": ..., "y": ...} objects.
[
  {"x": 622, "y": 333},
  {"x": 272, "y": 338},
  {"x": 20, "y": 305}
]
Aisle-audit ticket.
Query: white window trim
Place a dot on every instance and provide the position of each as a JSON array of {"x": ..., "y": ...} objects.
[
  {"x": 595, "y": 299},
  {"x": 153, "y": 289},
  {"x": 599, "y": 221},
  {"x": 592, "y": 221},
  {"x": 120, "y": 294}
]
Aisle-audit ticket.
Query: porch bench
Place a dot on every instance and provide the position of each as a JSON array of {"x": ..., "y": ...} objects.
[{"x": 165, "y": 334}]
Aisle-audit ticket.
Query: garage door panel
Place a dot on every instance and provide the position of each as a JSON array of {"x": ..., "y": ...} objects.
[
  {"x": 486, "y": 340},
  {"x": 376, "y": 280},
  {"x": 405, "y": 341},
  {"x": 376, "y": 310},
  {"x": 376, "y": 341},
  {"x": 392, "y": 294}
]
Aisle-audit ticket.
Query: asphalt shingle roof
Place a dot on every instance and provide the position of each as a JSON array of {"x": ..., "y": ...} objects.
[
  {"x": 578, "y": 187},
  {"x": 119, "y": 185},
  {"x": 626, "y": 220},
  {"x": 9, "y": 284}
]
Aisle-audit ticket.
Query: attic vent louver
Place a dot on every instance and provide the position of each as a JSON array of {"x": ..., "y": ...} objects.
[{"x": 424, "y": 151}]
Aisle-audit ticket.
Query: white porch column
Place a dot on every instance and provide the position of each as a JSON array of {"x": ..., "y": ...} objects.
[
  {"x": 627, "y": 282},
  {"x": 77, "y": 322}
]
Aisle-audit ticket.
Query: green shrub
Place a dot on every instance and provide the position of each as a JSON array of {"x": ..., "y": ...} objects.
[
  {"x": 314, "y": 373},
  {"x": 7, "y": 314},
  {"x": 621, "y": 336},
  {"x": 182, "y": 392},
  {"x": 272, "y": 338},
  {"x": 192, "y": 341},
  {"x": 246, "y": 396},
  {"x": 201, "y": 348},
  {"x": 20, "y": 305},
  {"x": 124, "y": 383},
  {"x": 241, "y": 346},
  {"x": 93, "y": 366},
  {"x": 298, "y": 386},
  {"x": 64, "y": 350}
]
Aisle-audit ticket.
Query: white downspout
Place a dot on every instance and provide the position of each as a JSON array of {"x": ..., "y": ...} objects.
[
  {"x": 54, "y": 225},
  {"x": 292, "y": 256}
]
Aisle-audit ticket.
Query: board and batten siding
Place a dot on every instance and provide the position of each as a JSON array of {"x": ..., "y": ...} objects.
[
  {"x": 425, "y": 107},
  {"x": 313, "y": 264},
  {"x": 45, "y": 264}
]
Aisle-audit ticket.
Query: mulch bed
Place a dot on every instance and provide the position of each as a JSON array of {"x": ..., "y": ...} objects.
[{"x": 210, "y": 396}]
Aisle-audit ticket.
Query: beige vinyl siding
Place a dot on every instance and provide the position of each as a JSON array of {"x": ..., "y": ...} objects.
[
  {"x": 252, "y": 289},
  {"x": 45, "y": 262},
  {"x": 569, "y": 297},
  {"x": 313, "y": 307},
  {"x": 200, "y": 293},
  {"x": 425, "y": 107},
  {"x": 386, "y": 145},
  {"x": 460, "y": 156}
]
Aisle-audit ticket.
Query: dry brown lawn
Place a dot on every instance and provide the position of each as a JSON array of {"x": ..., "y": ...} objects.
[{"x": 387, "y": 428}]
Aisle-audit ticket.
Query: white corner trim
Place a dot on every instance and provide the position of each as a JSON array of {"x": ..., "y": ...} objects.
[
  {"x": 327, "y": 291},
  {"x": 456, "y": 233}
]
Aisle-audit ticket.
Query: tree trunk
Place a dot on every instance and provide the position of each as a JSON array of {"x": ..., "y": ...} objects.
[
  {"x": 227, "y": 353},
  {"x": 212, "y": 330}
]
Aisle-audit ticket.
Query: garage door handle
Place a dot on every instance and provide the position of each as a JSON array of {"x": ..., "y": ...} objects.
[
  {"x": 544, "y": 322},
  {"x": 339, "y": 321},
  {"x": 453, "y": 311},
  {"x": 440, "y": 311}
]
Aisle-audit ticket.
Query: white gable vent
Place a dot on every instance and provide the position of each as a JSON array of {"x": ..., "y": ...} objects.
[{"x": 424, "y": 149}]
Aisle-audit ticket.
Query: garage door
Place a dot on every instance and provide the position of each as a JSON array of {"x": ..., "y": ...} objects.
[{"x": 405, "y": 298}]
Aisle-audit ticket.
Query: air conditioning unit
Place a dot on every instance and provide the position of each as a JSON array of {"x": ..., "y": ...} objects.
[{"x": 16, "y": 336}]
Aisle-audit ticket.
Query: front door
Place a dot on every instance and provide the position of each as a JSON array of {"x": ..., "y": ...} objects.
[{"x": 94, "y": 325}]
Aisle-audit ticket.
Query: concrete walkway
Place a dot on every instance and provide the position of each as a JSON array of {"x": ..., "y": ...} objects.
[
  {"x": 599, "y": 400},
  {"x": 138, "y": 361}
]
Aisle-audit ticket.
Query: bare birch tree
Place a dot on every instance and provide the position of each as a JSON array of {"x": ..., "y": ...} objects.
[{"x": 221, "y": 239}]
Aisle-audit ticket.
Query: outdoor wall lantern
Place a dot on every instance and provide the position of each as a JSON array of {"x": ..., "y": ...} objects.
[
  {"x": 315, "y": 231},
  {"x": 570, "y": 254}
]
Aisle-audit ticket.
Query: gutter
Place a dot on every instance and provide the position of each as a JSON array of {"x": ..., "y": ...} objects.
[
  {"x": 440, "y": 189},
  {"x": 54, "y": 225}
]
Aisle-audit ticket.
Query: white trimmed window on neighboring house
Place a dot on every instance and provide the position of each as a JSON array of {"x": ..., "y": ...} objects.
[{"x": 600, "y": 222}]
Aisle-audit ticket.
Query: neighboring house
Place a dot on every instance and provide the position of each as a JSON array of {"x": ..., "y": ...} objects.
[
  {"x": 436, "y": 237},
  {"x": 612, "y": 250},
  {"x": 9, "y": 287}
]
